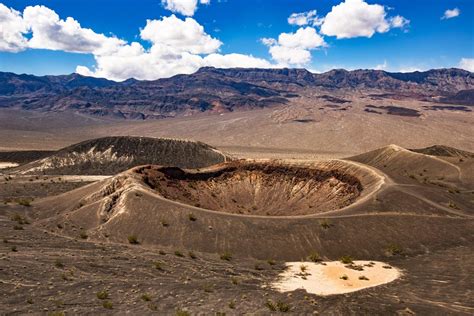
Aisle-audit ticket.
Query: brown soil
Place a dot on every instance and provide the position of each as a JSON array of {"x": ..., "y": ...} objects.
[{"x": 256, "y": 188}]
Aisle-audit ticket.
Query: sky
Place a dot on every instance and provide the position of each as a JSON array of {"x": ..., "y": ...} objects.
[{"x": 151, "y": 39}]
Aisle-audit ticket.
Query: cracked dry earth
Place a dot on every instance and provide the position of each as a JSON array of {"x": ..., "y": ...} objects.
[{"x": 41, "y": 272}]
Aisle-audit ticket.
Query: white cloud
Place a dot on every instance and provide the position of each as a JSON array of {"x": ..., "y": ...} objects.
[
  {"x": 181, "y": 35},
  {"x": 12, "y": 28},
  {"x": 184, "y": 7},
  {"x": 177, "y": 47},
  {"x": 48, "y": 31},
  {"x": 304, "y": 18},
  {"x": 449, "y": 14},
  {"x": 383, "y": 66},
  {"x": 235, "y": 60},
  {"x": 356, "y": 18},
  {"x": 467, "y": 64},
  {"x": 294, "y": 48}
]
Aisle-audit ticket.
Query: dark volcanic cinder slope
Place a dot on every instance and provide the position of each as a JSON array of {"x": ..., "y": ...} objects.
[
  {"x": 110, "y": 155},
  {"x": 220, "y": 90},
  {"x": 444, "y": 151},
  {"x": 333, "y": 207}
]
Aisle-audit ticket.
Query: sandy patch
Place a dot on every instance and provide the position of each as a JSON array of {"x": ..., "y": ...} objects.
[
  {"x": 4, "y": 165},
  {"x": 334, "y": 277}
]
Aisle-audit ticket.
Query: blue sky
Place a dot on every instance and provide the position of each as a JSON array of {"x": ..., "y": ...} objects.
[{"x": 421, "y": 40}]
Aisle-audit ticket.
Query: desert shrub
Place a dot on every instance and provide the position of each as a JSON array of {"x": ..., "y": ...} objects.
[
  {"x": 58, "y": 264},
  {"x": 18, "y": 227},
  {"x": 107, "y": 305},
  {"x": 192, "y": 217},
  {"x": 314, "y": 257},
  {"x": 192, "y": 255},
  {"x": 271, "y": 262},
  {"x": 158, "y": 265},
  {"x": 452, "y": 205},
  {"x": 226, "y": 256},
  {"x": 363, "y": 277},
  {"x": 178, "y": 253},
  {"x": 19, "y": 219},
  {"x": 394, "y": 250},
  {"x": 325, "y": 224},
  {"x": 14, "y": 248},
  {"x": 24, "y": 202},
  {"x": 235, "y": 280},
  {"x": 232, "y": 304},
  {"x": 303, "y": 268},
  {"x": 162, "y": 252},
  {"x": 83, "y": 235},
  {"x": 278, "y": 306},
  {"x": 344, "y": 277},
  {"x": 132, "y": 239},
  {"x": 102, "y": 295},
  {"x": 164, "y": 223},
  {"x": 346, "y": 259},
  {"x": 146, "y": 297},
  {"x": 181, "y": 312},
  {"x": 258, "y": 266}
]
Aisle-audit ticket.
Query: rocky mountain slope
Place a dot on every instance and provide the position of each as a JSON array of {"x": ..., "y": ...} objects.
[{"x": 222, "y": 90}]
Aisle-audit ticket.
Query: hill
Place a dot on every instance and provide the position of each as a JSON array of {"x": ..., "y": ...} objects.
[{"x": 111, "y": 155}]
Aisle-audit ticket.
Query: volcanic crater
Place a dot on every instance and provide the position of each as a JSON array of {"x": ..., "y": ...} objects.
[{"x": 254, "y": 188}]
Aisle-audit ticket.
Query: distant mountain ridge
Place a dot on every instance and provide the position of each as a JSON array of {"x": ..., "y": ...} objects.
[{"x": 220, "y": 90}]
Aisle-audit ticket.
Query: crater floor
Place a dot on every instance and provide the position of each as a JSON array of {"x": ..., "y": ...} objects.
[{"x": 257, "y": 188}]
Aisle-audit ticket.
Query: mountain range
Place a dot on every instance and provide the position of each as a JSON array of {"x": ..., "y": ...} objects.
[{"x": 223, "y": 90}]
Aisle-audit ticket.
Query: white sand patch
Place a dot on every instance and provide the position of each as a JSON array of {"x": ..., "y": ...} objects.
[
  {"x": 334, "y": 277},
  {"x": 4, "y": 165}
]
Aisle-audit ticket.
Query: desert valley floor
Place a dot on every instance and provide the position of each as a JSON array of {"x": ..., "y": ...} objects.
[{"x": 98, "y": 216}]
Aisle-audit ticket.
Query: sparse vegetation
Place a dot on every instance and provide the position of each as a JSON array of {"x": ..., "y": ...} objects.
[
  {"x": 394, "y": 250},
  {"x": 164, "y": 223},
  {"x": 181, "y": 312},
  {"x": 232, "y": 304},
  {"x": 146, "y": 297},
  {"x": 107, "y": 304},
  {"x": 58, "y": 264},
  {"x": 83, "y": 235},
  {"x": 18, "y": 227},
  {"x": 346, "y": 259},
  {"x": 178, "y": 253},
  {"x": 271, "y": 262},
  {"x": 158, "y": 265},
  {"x": 344, "y": 277},
  {"x": 326, "y": 224},
  {"x": 453, "y": 205},
  {"x": 133, "y": 239},
  {"x": 226, "y": 256},
  {"x": 192, "y": 217},
  {"x": 13, "y": 248},
  {"x": 364, "y": 278},
  {"x": 24, "y": 202},
  {"x": 278, "y": 306},
  {"x": 192, "y": 255},
  {"x": 102, "y": 295},
  {"x": 314, "y": 257},
  {"x": 19, "y": 219}
]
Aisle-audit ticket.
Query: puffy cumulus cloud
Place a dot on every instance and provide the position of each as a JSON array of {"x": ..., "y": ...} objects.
[
  {"x": 467, "y": 64},
  {"x": 294, "y": 48},
  {"x": 178, "y": 47},
  {"x": 12, "y": 28},
  {"x": 235, "y": 60},
  {"x": 356, "y": 18},
  {"x": 305, "y": 18},
  {"x": 50, "y": 32},
  {"x": 451, "y": 13},
  {"x": 182, "y": 35},
  {"x": 184, "y": 7}
]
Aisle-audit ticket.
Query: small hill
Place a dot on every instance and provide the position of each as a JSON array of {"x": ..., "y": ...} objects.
[
  {"x": 444, "y": 151},
  {"x": 111, "y": 155}
]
